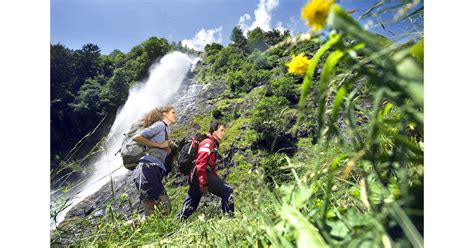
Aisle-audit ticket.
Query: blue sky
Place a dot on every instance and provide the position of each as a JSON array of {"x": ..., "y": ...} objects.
[{"x": 122, "y": 24}]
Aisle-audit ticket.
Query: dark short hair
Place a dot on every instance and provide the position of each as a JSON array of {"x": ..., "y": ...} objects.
[{"x": 215, "y": 125}]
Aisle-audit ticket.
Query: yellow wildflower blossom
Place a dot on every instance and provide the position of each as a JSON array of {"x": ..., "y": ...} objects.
[
  {"x": 298, "y": 65},
  {"x": 316, "y": 13}
]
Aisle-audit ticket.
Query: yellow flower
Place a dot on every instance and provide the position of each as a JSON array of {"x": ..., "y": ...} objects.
[
  {"x": 316, "y": 13},
  {"x": 298, "y": 65}
]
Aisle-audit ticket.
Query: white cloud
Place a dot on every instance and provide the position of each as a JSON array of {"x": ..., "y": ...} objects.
[
  {"x": 280, "y": 27},
  {"x": 262, "y": 14},
  {"x": 204, "y": 37},
  {"x": 242, "y": 22},
  {"x": 292, "y": 25}
]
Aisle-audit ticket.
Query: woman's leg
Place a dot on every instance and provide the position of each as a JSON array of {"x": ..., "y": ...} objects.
[
  {"x": 165, "y": 203},
  {"x": 149, "y": 206},
  {"x": 148, "y": 182}
]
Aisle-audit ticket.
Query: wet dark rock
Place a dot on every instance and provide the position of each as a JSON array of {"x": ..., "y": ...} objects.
[
  {"x": 95, "y": 205},
  {"x": 99, "y": 213}
]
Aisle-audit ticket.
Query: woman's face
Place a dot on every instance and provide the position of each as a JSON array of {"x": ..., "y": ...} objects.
[{"x": 171, "y": 116}]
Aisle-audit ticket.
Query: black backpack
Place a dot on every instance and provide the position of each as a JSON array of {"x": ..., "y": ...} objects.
[{"x": 187, "y": 151}]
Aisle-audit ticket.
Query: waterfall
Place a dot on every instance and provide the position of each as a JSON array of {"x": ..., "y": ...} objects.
[{"x": 165, "y": 80}]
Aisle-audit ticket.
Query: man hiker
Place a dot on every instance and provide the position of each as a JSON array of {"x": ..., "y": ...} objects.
[{"x": 203, "y": 177}]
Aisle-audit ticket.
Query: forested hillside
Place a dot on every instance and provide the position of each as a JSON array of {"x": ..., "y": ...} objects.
[{"x": 324, "y": 139}]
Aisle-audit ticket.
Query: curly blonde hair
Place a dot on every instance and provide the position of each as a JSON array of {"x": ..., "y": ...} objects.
[{"x": 155, "y": 115}]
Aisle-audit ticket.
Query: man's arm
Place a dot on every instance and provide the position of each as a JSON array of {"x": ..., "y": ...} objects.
[{"x": 201, "y": 163}]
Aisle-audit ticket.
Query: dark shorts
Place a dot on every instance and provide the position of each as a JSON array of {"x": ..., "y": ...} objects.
[{"x": 147, "y": 179}]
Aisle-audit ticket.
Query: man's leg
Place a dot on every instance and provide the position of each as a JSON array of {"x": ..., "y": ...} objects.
[
  {"x": 217, "y": 186},
  {"x": 190, "y": 203}
]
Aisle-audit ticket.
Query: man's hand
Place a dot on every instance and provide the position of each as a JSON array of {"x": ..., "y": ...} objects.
[{"x": 203, "y": 190}]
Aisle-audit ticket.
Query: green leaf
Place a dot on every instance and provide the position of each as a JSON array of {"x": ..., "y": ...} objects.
[
  {"x": 339, "y": 229},
  {"x": 340, "y": 20},
  {"x": 417, "y": 50},
  {"x": 308, "y": 78},
  {"x": 307, "y": 235},
  {"x": 332, "y": 60},
  {"x": 387, "y": 108},
  {"x": 337, "y": 102},
  {"x": 329, "y": 183},
  {"x": 411, "y": 74},
  {"x": 405, "y": 223},
  {"x": 350, "y": 116}
]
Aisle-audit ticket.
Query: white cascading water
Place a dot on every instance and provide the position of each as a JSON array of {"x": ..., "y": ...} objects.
[{"x": 166, "y": 78}]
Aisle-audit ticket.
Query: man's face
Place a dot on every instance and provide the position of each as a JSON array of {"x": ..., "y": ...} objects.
[{"x": 219, "y": 133}]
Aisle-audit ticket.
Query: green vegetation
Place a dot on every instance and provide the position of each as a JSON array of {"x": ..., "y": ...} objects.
[
  {"x": 332, "y": 157},
  {"x": 87, "y": 87}
]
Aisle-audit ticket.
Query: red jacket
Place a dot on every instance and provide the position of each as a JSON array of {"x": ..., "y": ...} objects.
[{"x": 206, "y": 155}]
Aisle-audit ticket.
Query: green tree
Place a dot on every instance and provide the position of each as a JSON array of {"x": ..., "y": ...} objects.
[
  {"x": 155, "y": 48},
  {"x": 238, "y": 39},
  {"x": 256, "y": 40},
  {"x": 274, "y": 36},
  {"x": 115, "y": 92},
  {"x": 61, "y": 71},
  {"x": 228, "y": 59},
  {"x": 284, "y": 86},
  {"x": 141, "y": 57},
  {"x": 87, "y": 64},
  {"x": 107, "y": 65},
  {"x": 88, "y": 99},
  {"x": 61, "y": 76},
  {"x": 212, "y": 49},
  {"x": 271, "y": 120},
  {"x": 245, "y": 77}
]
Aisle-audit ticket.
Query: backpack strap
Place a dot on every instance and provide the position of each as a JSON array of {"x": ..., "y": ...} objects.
[
  {"x": 166, "y": 132},
  {"x": 166, "y": 136},
  {"x": 207, "y": 162}
]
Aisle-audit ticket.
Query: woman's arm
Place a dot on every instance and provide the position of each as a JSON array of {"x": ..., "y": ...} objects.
[{"x": 142, "y": 140}]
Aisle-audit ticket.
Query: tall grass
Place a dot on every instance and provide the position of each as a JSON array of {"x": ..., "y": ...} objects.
[{"x": 386, "y": 153}]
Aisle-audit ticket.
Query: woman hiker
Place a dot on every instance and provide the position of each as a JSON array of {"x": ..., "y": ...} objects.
[{"x": 150, "y": 170}]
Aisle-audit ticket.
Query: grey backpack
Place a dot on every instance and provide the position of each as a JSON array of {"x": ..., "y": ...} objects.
[{"x": 130, "y": 150}]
